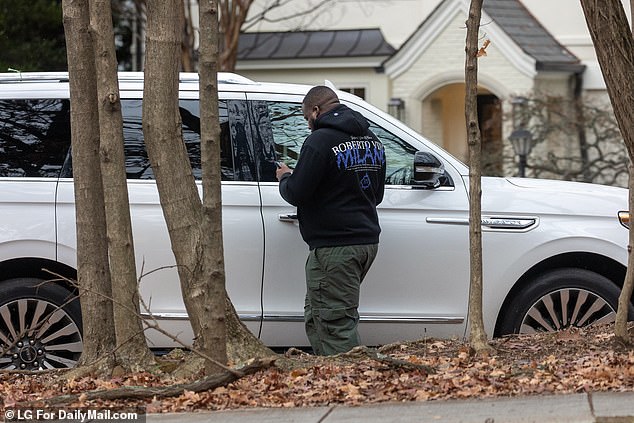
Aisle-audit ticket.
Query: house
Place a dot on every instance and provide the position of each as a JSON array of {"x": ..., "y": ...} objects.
[{"x": 419, "y": 77}]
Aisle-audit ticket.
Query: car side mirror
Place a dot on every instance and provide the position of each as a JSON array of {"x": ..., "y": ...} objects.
[{"x": 427, "y": 170}]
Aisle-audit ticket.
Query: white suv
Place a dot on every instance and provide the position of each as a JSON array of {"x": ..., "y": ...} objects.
[{"x": 554, "y": 252}]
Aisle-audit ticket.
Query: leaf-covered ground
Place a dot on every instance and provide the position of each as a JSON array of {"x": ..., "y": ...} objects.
[{"x": 577, "y": 360}]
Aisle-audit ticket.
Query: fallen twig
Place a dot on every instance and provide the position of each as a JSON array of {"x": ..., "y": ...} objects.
[
  {"x": 373, "y": 354},
  {"x": 143, "y": 392}
]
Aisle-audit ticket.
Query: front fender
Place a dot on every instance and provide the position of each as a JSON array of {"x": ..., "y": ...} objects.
[{"x": 571, "y": 251}]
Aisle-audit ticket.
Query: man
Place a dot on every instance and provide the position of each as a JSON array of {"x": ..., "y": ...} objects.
[{"x": 336, "y": 186}]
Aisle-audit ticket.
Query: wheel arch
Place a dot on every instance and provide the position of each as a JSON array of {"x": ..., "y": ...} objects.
[
  {"x": 41, "y": 268},
  {"x": 605, "y": 266}
]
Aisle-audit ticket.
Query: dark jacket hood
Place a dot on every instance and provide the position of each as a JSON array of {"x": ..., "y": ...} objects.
[{"x": 343, "y": 119}]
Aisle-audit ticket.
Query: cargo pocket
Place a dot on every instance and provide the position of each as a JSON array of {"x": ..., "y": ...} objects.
[
  {"x": 332, "y": 315},
  {"x": 340, "y": 324}
]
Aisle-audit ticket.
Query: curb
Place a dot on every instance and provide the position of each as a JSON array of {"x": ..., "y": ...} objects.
[{"x": 602, "y": 407}]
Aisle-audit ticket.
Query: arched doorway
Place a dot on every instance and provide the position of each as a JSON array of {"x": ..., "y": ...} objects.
[{"x": 443, "y": 122}]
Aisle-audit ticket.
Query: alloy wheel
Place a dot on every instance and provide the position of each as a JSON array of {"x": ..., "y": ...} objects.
[
  {"x": 564, "y": 308},
  {"x": 36, "y": 334}
]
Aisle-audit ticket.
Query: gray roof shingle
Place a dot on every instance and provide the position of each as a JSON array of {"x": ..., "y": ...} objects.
[
  {"x": 313, "y": 44},
  {"x": 530, "y": 35},
  {"x": 511, "y": 15}
]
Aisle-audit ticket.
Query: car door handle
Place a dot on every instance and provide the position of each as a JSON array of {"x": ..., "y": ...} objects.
[{"x": 287, "y": 217}]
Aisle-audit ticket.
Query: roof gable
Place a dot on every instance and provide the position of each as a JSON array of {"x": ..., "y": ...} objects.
[
  {"x": 528, "y": 33},
  {"x": 518, "y": 35}
]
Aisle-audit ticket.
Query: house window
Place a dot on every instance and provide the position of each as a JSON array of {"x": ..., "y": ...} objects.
[{"x": 358, "y": 91}]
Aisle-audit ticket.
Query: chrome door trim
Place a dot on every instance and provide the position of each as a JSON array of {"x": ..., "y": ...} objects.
[
  {"x": 300, "y": 318},
  {"x": 378, "y": 319}
]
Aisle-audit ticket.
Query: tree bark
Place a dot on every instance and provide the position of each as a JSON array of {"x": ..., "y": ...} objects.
[
  {"x": 93, "y": 273},
  {"x": 614, "y": 46},
  {"x": 210, "y": 163},
  {"x": 188, "y": 60},
  {"x": 180, "y": 200},
  {"x": 620, "y": 326},
  {"x": 478, "y": 336},
  {"x": 241, "y": 343},
  {"x": 195, "y": 226},
  {"x": 132, "y": 351},
  {"x": 232, "y": 17}
]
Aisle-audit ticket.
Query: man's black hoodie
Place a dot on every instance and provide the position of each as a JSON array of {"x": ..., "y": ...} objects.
[{"x": 338, "y": 181}]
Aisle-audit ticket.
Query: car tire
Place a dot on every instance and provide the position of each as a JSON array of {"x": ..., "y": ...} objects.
[
  {"x": 560, "y": 299},
  {"x": 40, "y": 325}
]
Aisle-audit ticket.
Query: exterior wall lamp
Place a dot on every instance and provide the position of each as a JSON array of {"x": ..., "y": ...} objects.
[{"x": 396, "y": 108}]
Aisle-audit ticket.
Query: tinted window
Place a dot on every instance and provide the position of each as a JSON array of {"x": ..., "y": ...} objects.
[
  {"x": 34, "y": 137},
  {"x": 399, "y": 155},
  {"x": 137, "y": 161},
  {"x": 289, "y": 130},
  {"x": 264, "y": 146},
  {"x": 243, "y": 154}
]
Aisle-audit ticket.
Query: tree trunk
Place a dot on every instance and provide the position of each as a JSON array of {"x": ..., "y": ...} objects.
[
  {"x": 195, "y": 227},
  {"x": 179, "y": 195},
  {"x": 614, "y": 46},
  {"x": 620, "y": 326},
  {"x": 210, "y": 164},
  {"x": 132, "y": 351},
  {"x": 93, "y": 274},
  {"x": 241, "y": 343},
  {"x": 188, "y": 61},
  {"x": 232, "y": 16},
  {"x": 478, "y": 336}
]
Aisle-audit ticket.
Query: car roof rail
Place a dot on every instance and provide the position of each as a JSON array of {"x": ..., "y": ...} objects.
[
  {"x": 16, "y": 76},
  {"x": 223, "y": 78}
]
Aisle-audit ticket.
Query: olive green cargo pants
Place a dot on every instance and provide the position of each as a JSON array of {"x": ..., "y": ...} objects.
[{"x": 333, "y": 279}]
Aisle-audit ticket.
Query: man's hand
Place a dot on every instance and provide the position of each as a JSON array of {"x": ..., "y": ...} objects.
[{"x": 282, "y": 170}]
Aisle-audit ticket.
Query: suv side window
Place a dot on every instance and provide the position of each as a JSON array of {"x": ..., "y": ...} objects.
[
  {"x": 399, "y": 154},
  {"x": 266, "y": 150},
  {"x": 400, "y": 159},
  {"x": 289, "y": 131},
  {"x": 34, "y": 137},
  {"x": 137, "y": 161}
]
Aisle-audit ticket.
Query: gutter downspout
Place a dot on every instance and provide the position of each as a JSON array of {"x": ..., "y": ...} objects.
[{"x": 580, "y": 119}]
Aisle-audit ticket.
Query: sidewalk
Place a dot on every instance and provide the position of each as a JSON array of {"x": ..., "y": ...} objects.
[{"x": 604, "y": 407}]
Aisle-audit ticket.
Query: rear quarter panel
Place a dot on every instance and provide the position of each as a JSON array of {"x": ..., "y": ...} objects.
[{"x": 27, "y": 218}]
